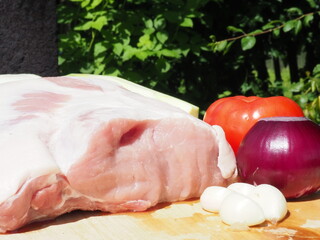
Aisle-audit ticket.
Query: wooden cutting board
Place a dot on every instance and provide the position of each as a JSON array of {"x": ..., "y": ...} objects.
[{"x": 178, "y": 221}]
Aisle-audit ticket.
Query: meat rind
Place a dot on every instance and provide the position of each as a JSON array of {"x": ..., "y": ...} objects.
[{"x": 70, "y": 143}]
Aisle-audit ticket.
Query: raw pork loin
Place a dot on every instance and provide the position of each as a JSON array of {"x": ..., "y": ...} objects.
[{"x": 70, "y": 143}]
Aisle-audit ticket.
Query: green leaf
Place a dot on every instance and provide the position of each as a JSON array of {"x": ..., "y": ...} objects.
[
  {"x": 128, "y": 53},
  {"x": 276, "y": 22},
  {"x": 162, "y": 37},
  {"x": 185, "y": 52},
  {"x": 248, "y": 42},
  {"x": 267, "y": 26},
  {"x": 275, "y": 53},
  {"x": 213, "y": 38},
  {"x": 99, "y": 23},
  {"x": 187, "y": 22},
  {"x": 312, "y": 3},
  {"x": 317, "y": 83},
  {"x": 313, "y": 86},
  {"x": 112, "y": 71},
  {"x": 145, "y": 42},
  {"x": 227, "y": 48},
  {"x": 255, "y": 32},
  {"x": 83, "y": 27},
  {"x": 157, "y": 47},
  {"x": 298, "y": 27},
  {"x": 170, "y": 53},
  {"x": 316, "y": 69},
  {"x": 61, "y": 60},
  {"x": 182, "y": 89},
  {"x": 142, "y": 55},
  {"x": 163, "y": 65},
  {"x": 85, "y": 3},
  {"x": 288, "y": 26},
  {"x": 295, "y": 10},
  {"x": 99, "y": 48},
  {"x": 149, "y": 23},
  {"x": 307, "y": 20},
  {"x": 226, "y": 93},
  {"x": 148, "y": 31},
  {"x": 276, "y": 32},
  {"x": 234, "y": 29},
  {"x": 144, "y": 39},
  {"x": 297, "y": 87},
  {"x": 117, "y": 48},
  {"x": 99, "y": 68},
  {"x": 159, "y": 22},
  {"x": 95, "y": 3},
  {"x": 89, "y": 15},
  {"x": 220, "y": 46}
]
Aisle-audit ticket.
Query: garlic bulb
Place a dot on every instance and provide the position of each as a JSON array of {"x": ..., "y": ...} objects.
[
  {"x": 243, "y": 188},
  {"x": 272, "y": 202},
  {"x": 212, "y": 198},
  {"x": 237, "y": 209},
  {"x": 243, "y": 204}
]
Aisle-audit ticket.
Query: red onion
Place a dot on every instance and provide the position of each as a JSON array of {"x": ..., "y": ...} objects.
[{"x": 283, "y": 152}]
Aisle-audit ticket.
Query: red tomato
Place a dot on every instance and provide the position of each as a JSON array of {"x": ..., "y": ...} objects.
[{"x": 236, "y": 115}]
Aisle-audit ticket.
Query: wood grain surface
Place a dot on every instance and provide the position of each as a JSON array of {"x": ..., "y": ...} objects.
[{"x": 178, "y": 221}]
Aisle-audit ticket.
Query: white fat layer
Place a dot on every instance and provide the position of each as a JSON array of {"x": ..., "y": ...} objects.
[
  {"x": 25, "y": 157},
  {"x": 16, "y": 77},
  {"x": 226, "y": 158},
  {"x": 22, "y": 150},
  {"x": 53, "y": 141},
  {"x": 192, "y": 109}
]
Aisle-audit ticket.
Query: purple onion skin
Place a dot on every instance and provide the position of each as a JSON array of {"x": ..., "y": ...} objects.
[{"x": 283, "y": 152}]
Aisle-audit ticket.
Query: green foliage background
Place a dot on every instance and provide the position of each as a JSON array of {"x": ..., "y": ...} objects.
[{"x": 198, "y": 50}]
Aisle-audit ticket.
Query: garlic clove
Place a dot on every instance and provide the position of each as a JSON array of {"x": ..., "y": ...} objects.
[
  {"x": 272, "y": 202},
  {"x": 243, "y": 188},
  {"x": 239, "y": 210},
  {"x": 212, "y": 198}
]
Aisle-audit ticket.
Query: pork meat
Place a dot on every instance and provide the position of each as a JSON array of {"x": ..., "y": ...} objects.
[{"x": 69, "y": 143}]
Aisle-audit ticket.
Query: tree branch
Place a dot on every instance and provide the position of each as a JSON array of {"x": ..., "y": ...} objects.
[{"x": 265, "y": 31}]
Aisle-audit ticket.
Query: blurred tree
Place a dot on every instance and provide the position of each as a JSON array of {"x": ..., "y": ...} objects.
[{"x": 178, "y": 46}]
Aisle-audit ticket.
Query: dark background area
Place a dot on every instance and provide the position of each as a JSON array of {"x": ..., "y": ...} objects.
[{"x": 28, "y": 37}]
